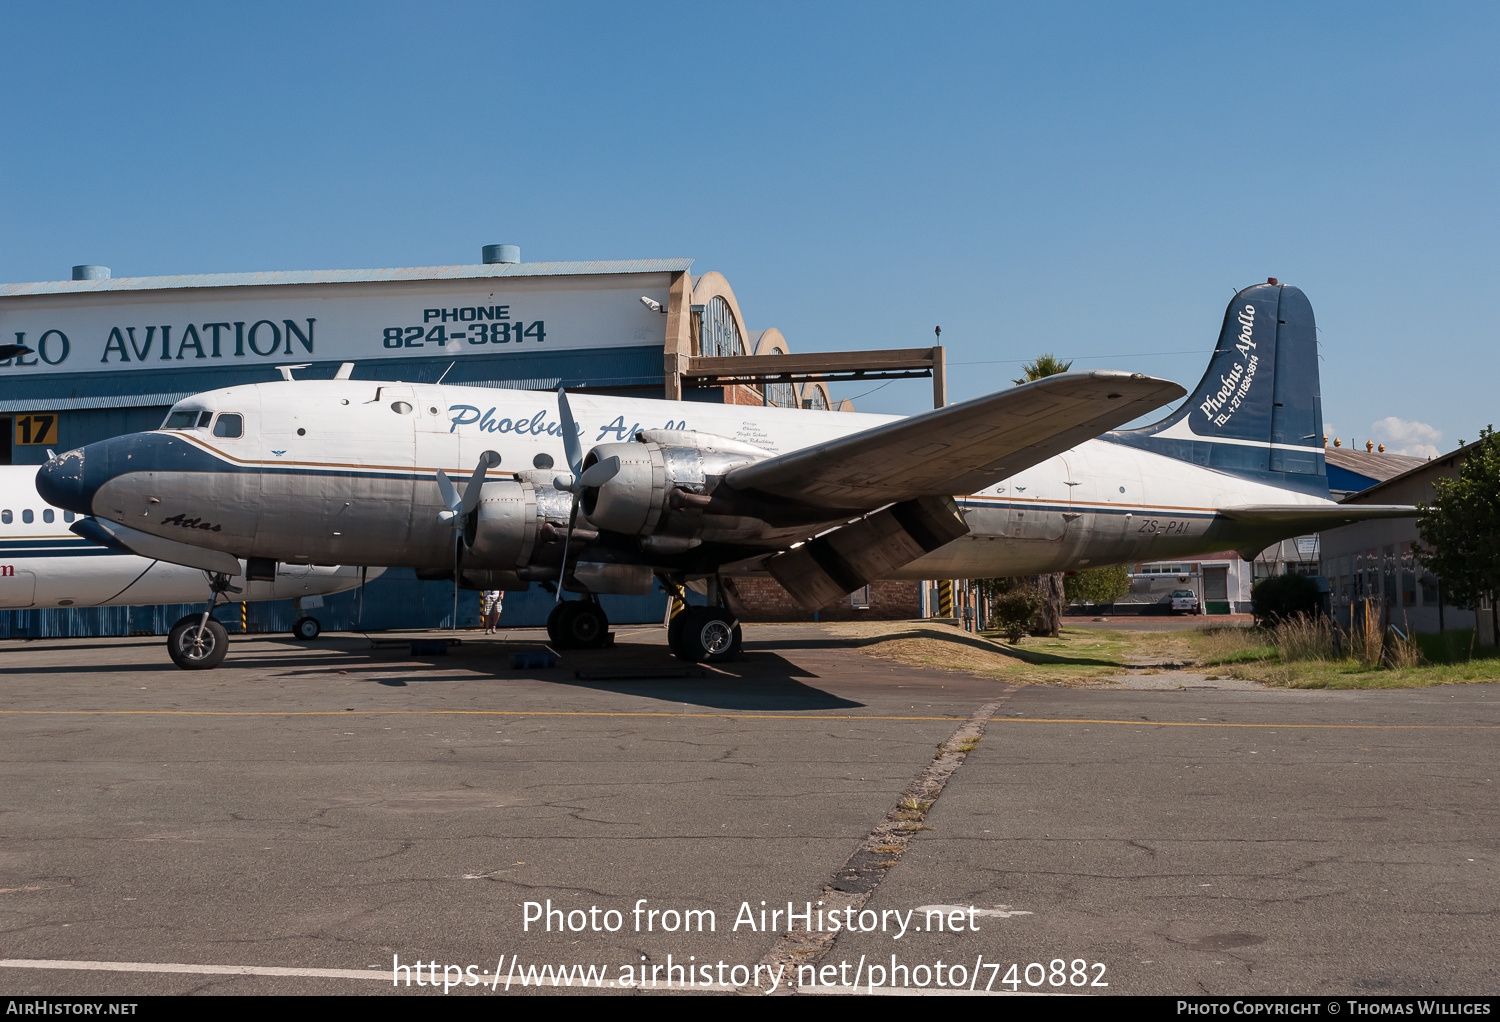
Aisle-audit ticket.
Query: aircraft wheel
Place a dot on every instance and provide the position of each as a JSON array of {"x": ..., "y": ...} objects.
[
  {"x": 709, "y": 635},
  {"x": 584, "y": 626},
  {"x": 552, "y": 620},
  {"x": 674, "y": 632},
  {"x": 194, "y": 653},
  {"x": 306, "y": 628}
]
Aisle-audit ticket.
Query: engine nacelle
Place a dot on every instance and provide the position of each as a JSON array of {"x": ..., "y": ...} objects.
[
  {"x": 634, "y": 501},
  {"x": 502, "y": 530}
]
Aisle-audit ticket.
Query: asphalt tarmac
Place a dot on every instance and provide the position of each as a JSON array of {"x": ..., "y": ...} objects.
[{"x": 297, "y": 819}]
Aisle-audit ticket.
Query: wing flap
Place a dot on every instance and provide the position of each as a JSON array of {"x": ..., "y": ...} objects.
[{"x": 958, "y": 449}]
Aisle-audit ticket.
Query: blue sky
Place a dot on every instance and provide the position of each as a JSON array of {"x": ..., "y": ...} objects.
[{"x": 1092, "y": 180}]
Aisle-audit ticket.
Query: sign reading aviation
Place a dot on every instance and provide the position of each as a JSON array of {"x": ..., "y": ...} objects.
[{"x": 116, "y": 330}]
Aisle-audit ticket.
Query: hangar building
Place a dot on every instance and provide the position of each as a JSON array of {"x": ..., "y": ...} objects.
[{"x": 110, "y": 355}]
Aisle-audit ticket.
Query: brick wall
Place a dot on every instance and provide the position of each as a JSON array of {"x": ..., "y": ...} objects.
[{"x": 763, "y": 599}]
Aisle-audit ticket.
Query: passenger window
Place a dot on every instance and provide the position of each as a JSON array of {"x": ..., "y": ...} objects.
[
  {"x": 47, "y": 515},
  {"x": 27, "y": 516},
  {"x": 6, "y": 517},
  {"x": 230, "y": 425},
  {"x": 68, "y": 516}
]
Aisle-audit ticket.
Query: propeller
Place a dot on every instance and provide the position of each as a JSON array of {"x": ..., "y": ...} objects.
[
  {"x": 594, "y": 476},
  {"x": 459, "y": 508}
]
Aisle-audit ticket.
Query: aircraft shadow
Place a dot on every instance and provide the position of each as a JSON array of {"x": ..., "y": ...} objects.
[
  {"x": 854, "y": 643},
  {"x": 762, "y": 681}
]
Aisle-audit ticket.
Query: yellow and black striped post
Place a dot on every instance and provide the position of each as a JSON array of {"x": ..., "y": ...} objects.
[
  {"x": 677, "y": 603},
  {"x": 244, "y": 616},
  {"x": 945, "y": 598}
]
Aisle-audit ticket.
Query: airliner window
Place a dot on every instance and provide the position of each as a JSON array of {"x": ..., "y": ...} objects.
[
  {"x": 6, "y": 517},
  {"x": 27, "y": 516},
  {"x": 181, "y": 420},
  {"x": 47, "y": 515},
  {"x": 204, "y": 419},
  {"x": 231, "y": 425},
  {"x": 68, "y": 516}
]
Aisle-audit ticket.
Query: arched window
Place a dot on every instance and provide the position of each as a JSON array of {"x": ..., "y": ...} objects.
[
  {"x": 782, "y": 395},
  {"x": 816, "y": 398},
  {"x": 721, "y": 336}
]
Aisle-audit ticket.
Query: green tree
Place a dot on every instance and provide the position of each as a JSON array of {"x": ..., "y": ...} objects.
[
  {"x": 1045, "y": 365},
  {"x": 1460, "y": 527},
  {"x": 1098, "y": 585},
  {"x": 1049, "y": 587}
]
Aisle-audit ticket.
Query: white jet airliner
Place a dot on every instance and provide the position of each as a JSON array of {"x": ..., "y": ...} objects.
[
  {"x": 1033, "y": 479},
  {"x": 44, "y": 564}
]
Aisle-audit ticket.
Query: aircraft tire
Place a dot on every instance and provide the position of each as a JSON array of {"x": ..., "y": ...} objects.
[
  {"x": 306, "y": 628},
  {"x": 552, "y": 619},
  {"x": 584, "y": 626},
  {"x": 711, "y": 635},
  {"x": 191, "y": 654},
  {"x": 674, "y": 632}
]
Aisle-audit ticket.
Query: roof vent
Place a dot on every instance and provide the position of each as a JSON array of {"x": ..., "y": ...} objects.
[
  {"x": 91, "y": 273},
  {"x": 502, "y": 253}
]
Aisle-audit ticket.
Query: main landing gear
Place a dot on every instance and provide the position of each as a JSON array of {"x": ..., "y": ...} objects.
[
  {"x": 198, "y": 642},
  {"x": 701, "y": 635},
  {"x": 578, "y": 624}
]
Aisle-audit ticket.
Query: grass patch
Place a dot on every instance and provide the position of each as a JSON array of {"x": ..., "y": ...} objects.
[{"x": 1080, "y": 655}]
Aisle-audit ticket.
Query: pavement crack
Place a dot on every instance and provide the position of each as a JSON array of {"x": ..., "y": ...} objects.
[{"x": 880, "y": 851}]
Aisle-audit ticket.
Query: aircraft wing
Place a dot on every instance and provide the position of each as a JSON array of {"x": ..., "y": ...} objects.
[
  {"x": 958, "y": 449},
  {"x": 1314, "y": 517}
]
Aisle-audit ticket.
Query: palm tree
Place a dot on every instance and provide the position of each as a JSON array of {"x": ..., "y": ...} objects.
[
  {"x": 1045, "y": 365},
  {"x": 1050, "y": 587}
]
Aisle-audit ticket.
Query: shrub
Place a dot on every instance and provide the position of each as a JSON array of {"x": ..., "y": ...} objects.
[
  {"x": 1014, "y": 608},
  {"x": 1284, "y": 596}
]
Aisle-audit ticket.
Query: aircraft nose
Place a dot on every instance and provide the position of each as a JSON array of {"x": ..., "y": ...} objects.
[{"x": 63, "y": 483}]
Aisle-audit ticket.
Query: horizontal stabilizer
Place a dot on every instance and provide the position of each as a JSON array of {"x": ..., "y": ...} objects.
[
  {"x": 958, "y": 449},
  {"x": 1314, "y": 517},
  {"x": 115, "y": 536}
]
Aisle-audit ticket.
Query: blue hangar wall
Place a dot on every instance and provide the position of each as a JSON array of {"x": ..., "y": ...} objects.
[{"x": 111, "y": 356}]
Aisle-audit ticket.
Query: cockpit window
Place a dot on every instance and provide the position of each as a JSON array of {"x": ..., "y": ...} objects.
[
  {"x": 186, "y": 419},
  {"x": 231, "y": 425},
  {"x": 204, "y": 419}
]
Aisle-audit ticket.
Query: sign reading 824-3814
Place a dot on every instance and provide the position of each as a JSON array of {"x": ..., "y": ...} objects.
[{"x": 475, "y": 325}]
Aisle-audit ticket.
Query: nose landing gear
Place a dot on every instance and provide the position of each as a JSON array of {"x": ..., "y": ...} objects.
[{"x": 197, "y": 642}]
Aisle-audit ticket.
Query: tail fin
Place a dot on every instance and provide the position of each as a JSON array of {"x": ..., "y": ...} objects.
[{"x": 1258, "y": 412}]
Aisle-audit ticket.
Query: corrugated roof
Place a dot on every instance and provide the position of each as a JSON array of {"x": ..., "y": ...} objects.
[
  {"x": 1378, "y": 467},
  {"x": 1438, "y": 465},
  {"x": 479, "y": 272}
]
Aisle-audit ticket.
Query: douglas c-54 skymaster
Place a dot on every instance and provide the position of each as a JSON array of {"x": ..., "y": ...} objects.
[{"x": 356, "y": 472}]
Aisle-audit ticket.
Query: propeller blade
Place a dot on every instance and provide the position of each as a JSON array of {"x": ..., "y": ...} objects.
[
  {"x": 447, "y": 491},
  {"x": 458, "y": 539},
  {"x": 567, "y": 539},
  {"x": 10, "y": 351},
  {"x": 487, "y": 461},
  {"x": 571, "y": 443},
  {"x": 600, "y": 473}
]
